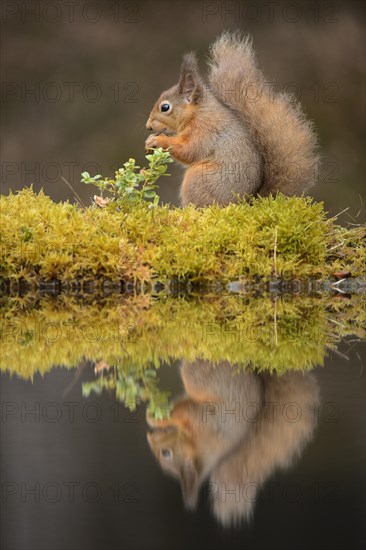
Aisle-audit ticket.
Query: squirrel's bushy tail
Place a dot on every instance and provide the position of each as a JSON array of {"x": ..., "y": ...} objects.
[{"x": 285, "y": 137}]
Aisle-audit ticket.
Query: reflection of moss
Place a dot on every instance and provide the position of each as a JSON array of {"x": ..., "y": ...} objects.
[
  {"x": 144, "y": 331},
  {"x": 41, "y": 240}
]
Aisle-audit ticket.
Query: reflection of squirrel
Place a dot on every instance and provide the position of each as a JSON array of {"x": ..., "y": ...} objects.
[
  {"x": 234, "y": 133},
  {"x": 235, "y": 429}
]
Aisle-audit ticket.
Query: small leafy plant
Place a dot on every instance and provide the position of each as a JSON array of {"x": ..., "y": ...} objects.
[
  {"x": 131, "y": 388},
  {"x": 132, "y": 184}
]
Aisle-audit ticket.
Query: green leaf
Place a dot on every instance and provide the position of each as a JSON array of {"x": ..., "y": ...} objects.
[{"x": 149, "y": 194}]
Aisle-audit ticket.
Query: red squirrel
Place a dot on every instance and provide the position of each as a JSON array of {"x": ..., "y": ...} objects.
[{"x": 235, "y": 135}]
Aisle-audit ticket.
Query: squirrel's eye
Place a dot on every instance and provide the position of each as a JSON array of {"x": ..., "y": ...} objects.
[
  {"x": 165, "y": 107},
  {"x": 166, "y": 453}
]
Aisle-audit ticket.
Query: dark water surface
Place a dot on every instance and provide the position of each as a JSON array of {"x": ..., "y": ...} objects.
[{"x": 78, "y": 472}]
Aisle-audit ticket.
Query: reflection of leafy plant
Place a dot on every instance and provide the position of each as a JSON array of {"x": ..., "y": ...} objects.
[
  {"x": 131, "y": 184},
  {"x": 132, "y": 387}
]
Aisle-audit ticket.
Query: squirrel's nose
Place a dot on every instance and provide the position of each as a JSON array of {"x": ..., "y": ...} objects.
[{"x": 148, "y": 127}]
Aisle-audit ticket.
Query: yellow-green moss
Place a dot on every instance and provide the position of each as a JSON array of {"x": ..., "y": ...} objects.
[
  {"x": 287, "y": 237},
  {"x": 138, "y": 331}
]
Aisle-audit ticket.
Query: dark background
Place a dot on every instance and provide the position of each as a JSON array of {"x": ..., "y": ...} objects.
[
  {"x": 329, "y": 475},
  {"x": 79, "y": 79},
  {"x": 78, "y": 82}
]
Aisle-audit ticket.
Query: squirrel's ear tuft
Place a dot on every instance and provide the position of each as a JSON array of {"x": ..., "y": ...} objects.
[
  {"x": 190, "y": 82},
  {"x": 190, "y": 483}
]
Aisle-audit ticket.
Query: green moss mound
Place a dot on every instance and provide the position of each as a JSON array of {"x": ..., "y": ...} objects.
[{"x": 266, "y": 237}]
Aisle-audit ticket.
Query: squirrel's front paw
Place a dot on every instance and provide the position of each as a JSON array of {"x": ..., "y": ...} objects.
[{"x": 151, "y": 142}]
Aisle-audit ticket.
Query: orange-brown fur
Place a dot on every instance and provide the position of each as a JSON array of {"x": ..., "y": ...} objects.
[
  {"x": 255, "y": 141},
  {"x": 233, "y": 451}
]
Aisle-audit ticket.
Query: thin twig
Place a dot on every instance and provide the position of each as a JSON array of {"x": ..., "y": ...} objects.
[
  {"x": 339, "y": 213},
  {"x": 340, "y": 281},
  {"x": 275, "y": 322},
  {"x": 275, "y": 253},
  {"x": 75, "y": 193},
  {"x": 336, "y": 246},
  {"x": 339, "y": 353},
  {"x": 340, "y": 291},
  {"x": 335, "y": 322},
  {"x": 79, "y": 371}
]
